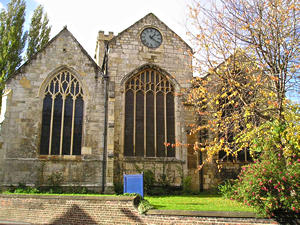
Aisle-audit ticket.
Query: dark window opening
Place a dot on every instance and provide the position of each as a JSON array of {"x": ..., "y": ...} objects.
[
  {"x": 149, "y": 116},
  {"x": 62, "y": 116}
]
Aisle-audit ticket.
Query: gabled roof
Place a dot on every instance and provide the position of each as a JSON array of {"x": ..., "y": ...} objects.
[
  {"x": 64, "y": 30},
  {"x": 148, "y": 15}
]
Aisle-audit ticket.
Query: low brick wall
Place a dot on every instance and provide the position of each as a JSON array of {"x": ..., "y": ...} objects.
[{"x": 43, "y": 209}]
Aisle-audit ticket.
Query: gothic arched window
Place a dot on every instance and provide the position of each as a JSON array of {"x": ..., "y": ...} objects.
[
  {"x": 62, "y": 116},
  {"x": 149, "y": 115}
]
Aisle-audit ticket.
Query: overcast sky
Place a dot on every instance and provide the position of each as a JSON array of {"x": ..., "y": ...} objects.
[{"x": 85, "y": 18}]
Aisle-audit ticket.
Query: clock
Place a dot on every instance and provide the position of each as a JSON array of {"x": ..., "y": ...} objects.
[{"x": 151, "y": 37}]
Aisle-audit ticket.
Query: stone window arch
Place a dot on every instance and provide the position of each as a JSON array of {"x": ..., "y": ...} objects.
[
  {"x": 62, "y": 116},
  {"x": 149, "y": 115}
]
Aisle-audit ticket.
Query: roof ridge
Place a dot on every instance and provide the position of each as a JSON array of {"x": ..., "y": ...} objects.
[{"x": 65, "y": 29}]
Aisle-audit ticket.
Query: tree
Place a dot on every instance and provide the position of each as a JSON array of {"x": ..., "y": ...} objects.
[
  {"x": 248, "y": 51},
  {"x": 12, "y": 39},
  {"x": 39, "y": 32}
]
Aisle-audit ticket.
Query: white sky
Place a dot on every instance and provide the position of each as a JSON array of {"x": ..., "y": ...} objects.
[{"x": 85, "y": 18}]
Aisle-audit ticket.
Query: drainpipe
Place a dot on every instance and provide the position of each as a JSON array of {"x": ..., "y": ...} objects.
[{"x": 106, "y": 83}]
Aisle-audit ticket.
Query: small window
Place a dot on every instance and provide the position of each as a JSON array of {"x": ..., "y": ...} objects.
[
  {"x": 149, "y": 116},
  {"x": 62, "y": 116}
]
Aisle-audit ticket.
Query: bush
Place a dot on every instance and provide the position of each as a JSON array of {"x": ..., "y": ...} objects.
[
  {"x": 118, "y": 188},
  {"x": 144, "y": 206},
  {"x": 27, "y": 190},
  {"x": 186, "y": 185},
  {"x": 271, "y": 184},
  {"x": 149, "y": 181},
  {"x": 227, "y": 189}
]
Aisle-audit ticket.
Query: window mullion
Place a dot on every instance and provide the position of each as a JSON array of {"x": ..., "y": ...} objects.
[
  {"x": 51, "y": 124},
  {"x": 165, "y": 120},
  {"x": 154, "y": 111},
  {"x": 72, "y": 129},
  {"x": 157, "y": 83},
  {"x": 62, "y": 124},
  {"x": 145, "y": 117},
  {"x": 59, "y": 88},
  {"x": 134, "y": 118}
]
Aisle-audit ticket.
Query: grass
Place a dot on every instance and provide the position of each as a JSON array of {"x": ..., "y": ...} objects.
[{"x": 201, "y": 202}]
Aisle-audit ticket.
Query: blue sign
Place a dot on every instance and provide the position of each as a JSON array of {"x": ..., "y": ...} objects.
[{"x": 134, "y": 183}]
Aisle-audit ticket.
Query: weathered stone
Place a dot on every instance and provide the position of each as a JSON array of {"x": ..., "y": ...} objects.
[
  {"x": 20, "y": 158},
  {"x": 21, "y": 161}
]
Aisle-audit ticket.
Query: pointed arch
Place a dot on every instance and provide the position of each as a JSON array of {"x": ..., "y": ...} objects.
[
  {"x": 57, "y": 70},
  {"x": 62, "y": 115},
  {"x": 149, "y": 126},
  {"x": 146, "y": 66}
]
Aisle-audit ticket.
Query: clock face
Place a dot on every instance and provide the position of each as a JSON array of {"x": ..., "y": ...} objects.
[{"x": 151, "y": 37}]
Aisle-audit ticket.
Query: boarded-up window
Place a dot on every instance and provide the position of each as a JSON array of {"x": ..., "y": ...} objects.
[
  {"x": 149, "y": 116},
  {"x": 62, "y": 116}
]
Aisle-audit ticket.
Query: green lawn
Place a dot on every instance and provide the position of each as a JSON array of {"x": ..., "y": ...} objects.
[{"x": 202, "y": 202}]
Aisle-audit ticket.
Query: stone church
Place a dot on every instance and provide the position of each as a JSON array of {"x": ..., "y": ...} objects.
[{"x": 86, "y": 122}]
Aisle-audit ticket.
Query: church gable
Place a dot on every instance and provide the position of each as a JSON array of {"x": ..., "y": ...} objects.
[
  {"x": 60, "y": 50},
  {"x": 55, "y": 106},
  {"x": 147, "y": 65},
  {"x": 148, "y": 21},
  {"x": 149, "y": 41}
]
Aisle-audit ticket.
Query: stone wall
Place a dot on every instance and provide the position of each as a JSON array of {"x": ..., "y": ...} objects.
[
  {"x": 20, "y": 161},
  {"x": 39, "y": 209},
  {"x": 126, "y": 56}
]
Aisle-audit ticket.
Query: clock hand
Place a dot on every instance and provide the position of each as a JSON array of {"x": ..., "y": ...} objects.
[
  {"x": 155, "y": 40},
  {"x": 155, "y": 36},
  {"x": 151, "y": 37}
]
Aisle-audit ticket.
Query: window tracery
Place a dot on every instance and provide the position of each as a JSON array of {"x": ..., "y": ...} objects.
[
  {"x": 149, "y": 115},
  {"x": 62, "y": 116}
]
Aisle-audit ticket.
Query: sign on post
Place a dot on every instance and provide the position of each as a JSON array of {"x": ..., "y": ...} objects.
[{"x": 134, "y": 183}]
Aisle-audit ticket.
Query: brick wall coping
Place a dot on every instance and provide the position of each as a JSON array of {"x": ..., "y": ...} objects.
[
  {"x": 224, "y": 214},
  {"x": 65, "y": 209},
  {"x": 71, "y": 197},
  {"x": 135, "y": 201}
]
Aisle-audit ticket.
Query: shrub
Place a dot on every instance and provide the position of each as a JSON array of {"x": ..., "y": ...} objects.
[
  {"x": 118, "y": 188},
  {"x": 271, "y": 184},
  {"x": 227, "y": 189},
  {"x": 144, "y": 206},
  {"x": 186, "y": 185},
  {"x": 27, "y": 190},
  {"x": 149, "y": 181}
]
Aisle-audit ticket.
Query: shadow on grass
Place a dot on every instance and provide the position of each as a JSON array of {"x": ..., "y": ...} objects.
[{"x": 158, "y": 206}]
